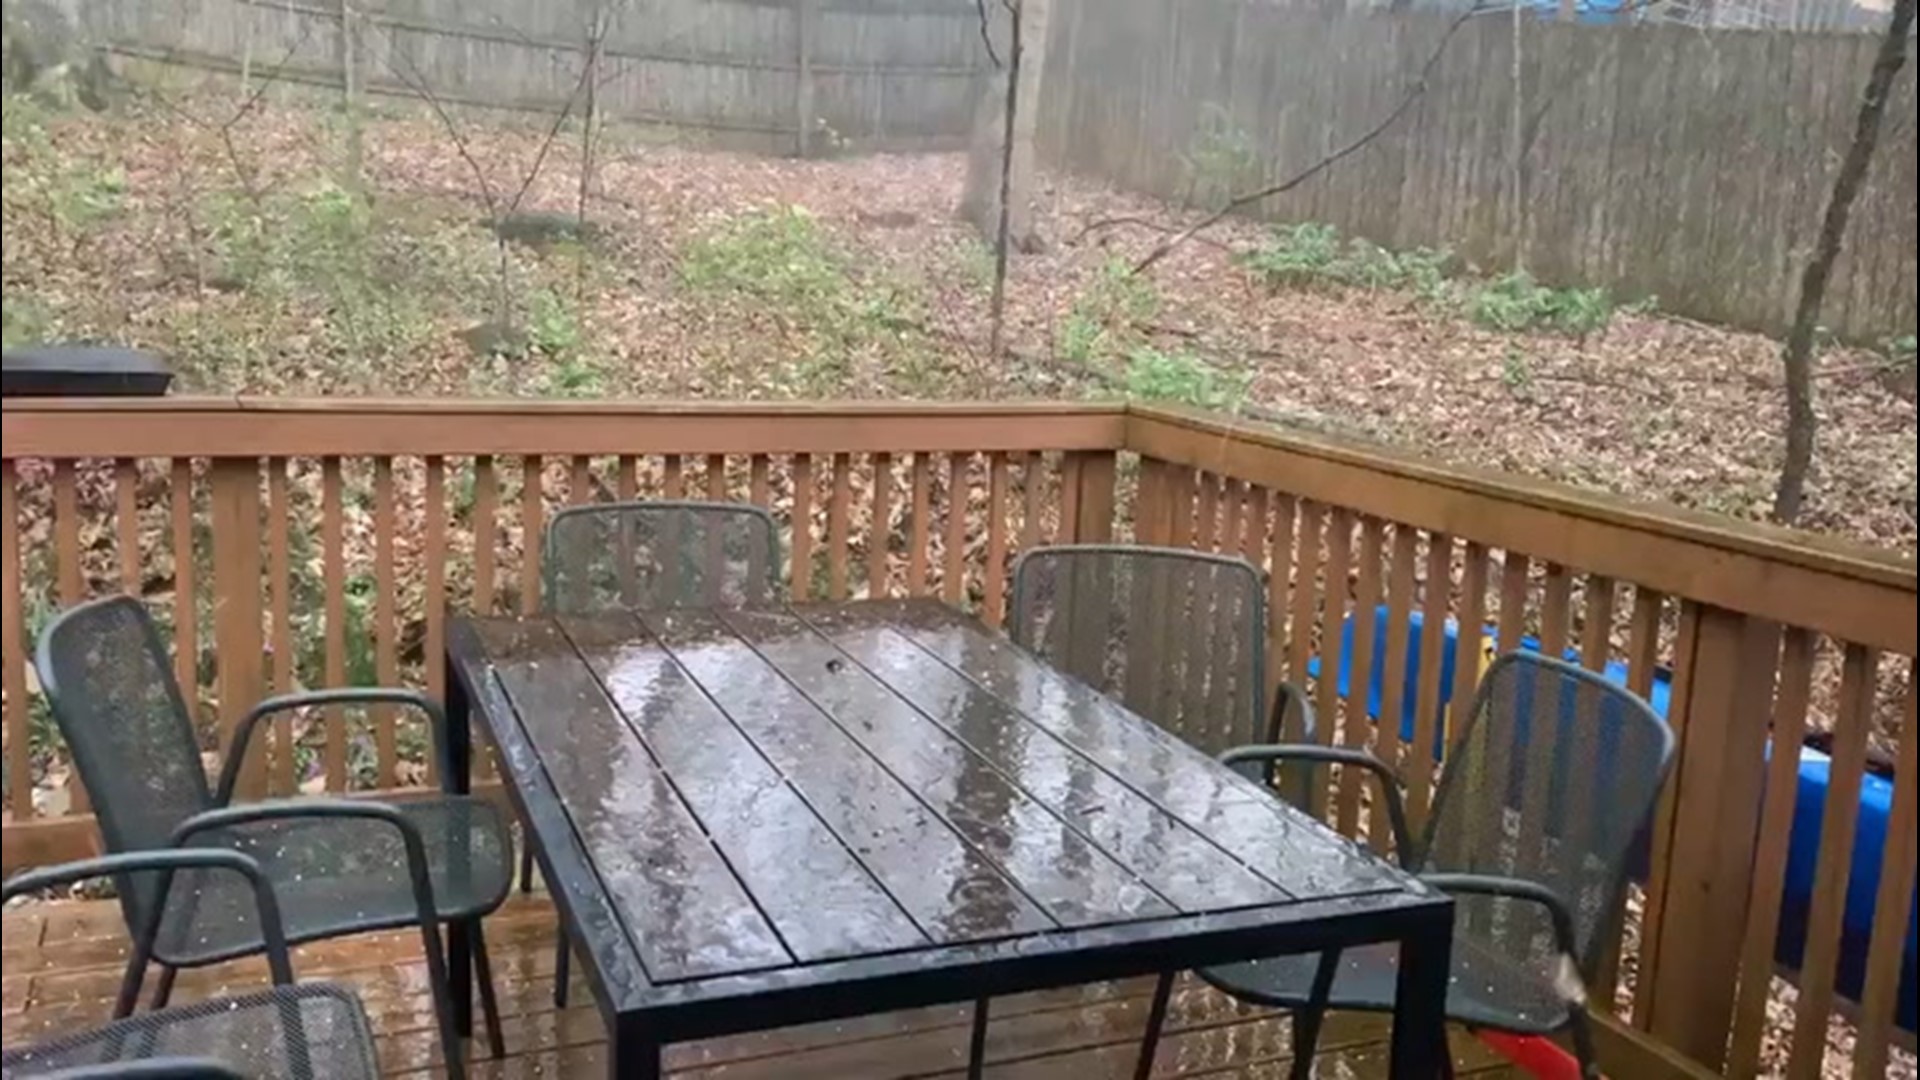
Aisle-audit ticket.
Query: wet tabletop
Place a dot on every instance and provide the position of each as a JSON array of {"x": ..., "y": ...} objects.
[{"x": 762, "y": 791}]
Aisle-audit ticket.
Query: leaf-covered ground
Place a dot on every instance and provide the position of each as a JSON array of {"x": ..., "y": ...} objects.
[{"x": 238, "y": 256}]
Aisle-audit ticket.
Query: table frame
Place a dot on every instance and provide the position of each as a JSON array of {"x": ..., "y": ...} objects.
[{"x": 643, "y": 1017}]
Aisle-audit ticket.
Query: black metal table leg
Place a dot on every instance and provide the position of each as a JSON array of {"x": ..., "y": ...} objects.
[
  {"x": 1420, "y": 1000},
  {"x": 631, "y": 1055},
  {"x": 977, "y": 1046},
  {"x": 459, "y": 782}
]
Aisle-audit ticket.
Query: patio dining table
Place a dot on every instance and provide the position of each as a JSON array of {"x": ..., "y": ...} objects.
[{"x": 753, "y": 819}]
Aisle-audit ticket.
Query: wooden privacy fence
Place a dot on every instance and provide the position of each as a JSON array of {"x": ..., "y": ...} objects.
[
  {"x": 289, "y": 544},
  {"x": 1664, "y": 161},
  {"x": 780, "y": 75}
]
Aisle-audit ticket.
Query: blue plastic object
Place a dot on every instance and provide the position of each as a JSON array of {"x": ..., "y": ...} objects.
[
  {"x": 1863, "y": 882},
  {"x": 1870, "y": 838},
  {"x": 1616, "y": 672}
]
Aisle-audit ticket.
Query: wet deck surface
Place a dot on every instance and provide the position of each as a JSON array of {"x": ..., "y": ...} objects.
[{"x": 62, "y": 964}]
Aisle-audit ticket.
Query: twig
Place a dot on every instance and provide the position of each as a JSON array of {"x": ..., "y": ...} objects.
[
  {"x": 417, "y": 85},
  {"x": 1407, "y": 100},
  {"x": 1149, "y": 225},
  {"x": 553, "y": 133},
  {"x": 1578, "y": 380},
  {"x": 986, "y": 33}
]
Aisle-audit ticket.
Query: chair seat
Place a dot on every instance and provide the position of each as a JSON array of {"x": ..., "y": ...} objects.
[
  {"x": 1485, "y": 990},
  {"x": 338, "y": 875},
  {"x": 294, "y": 1032}
]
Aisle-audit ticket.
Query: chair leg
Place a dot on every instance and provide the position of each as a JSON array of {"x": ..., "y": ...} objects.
[
  {"x": 130, "y": 983},
  {"x": 163, "y": 990},
  {"x": 489, "y": 1005},
  {"x": 1583, "y": 1044},
  {"x": 1156, "y": 1019},
  {"x": 562, "y": 970},
  {"x": 526, "y": 865},
  {"x": 441, "y": 990}
]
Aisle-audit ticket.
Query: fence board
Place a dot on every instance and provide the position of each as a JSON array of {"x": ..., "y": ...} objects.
[
  {"x": 1366, "y": 618},
  {"x": 995, "y": 608},
  {"x": 280, "y": 616},
  {"x": 1770, "y": 858},
  {"x": 881, "y": 528},
  {"x": 1884, "y": 951},
  {"x": 839, "y": 517},
  {"x": 334, "y": 608},
  {"x": 901, "y": 77},
  {"x": 13, "y": 653},
  {"x": 1738, "y": 131},
  {"x": 1834, "y": 865}
]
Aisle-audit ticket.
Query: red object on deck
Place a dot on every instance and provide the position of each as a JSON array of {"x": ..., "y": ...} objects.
[{"x": 1538, "y": 1056}]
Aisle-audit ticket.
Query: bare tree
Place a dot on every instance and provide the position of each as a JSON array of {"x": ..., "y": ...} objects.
[
  {"x": 1004, "y": 226},
  {"x": 1802, "y": 424},
  {"x": 350, "y": 88},
  {"x": 1004, "y": 141}
]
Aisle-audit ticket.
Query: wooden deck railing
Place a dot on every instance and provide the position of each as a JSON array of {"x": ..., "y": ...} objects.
[
  {"x": 326, "y": 542},
  {"x": 1758, "y": 633}
]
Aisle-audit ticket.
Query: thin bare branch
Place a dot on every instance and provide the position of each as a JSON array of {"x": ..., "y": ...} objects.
[
  {"x": 986, "y": 32},
  {"x": 553, "y": 132},
  {"x": 1405, "y": 104},
  {"x": 416, "y": 83}
]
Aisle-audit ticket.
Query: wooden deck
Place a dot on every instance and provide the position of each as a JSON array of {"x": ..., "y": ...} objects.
[{"x": 63, "y": 961}]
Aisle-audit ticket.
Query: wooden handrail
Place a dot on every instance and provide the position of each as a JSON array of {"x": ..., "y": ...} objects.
[
  {"x": 258, "y": 427},
  {"x": 1853, "y": 592}
]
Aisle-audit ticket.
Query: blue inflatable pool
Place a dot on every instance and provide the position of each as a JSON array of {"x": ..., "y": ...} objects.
[{"x": 1876, "y": 809}]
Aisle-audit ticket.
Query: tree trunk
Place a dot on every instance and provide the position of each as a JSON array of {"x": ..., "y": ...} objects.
[
  {"x": 1003, "y": 236},
  {"x": 352, "y": 169},
  {"x": 986, "y": 155},
  {"x": 1798, "y": 355}
]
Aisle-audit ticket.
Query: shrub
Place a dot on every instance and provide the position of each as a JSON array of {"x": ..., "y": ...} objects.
[
  {"x": 787, "y": 265},
  {"x": 1312, "y": 254},
  {"x": 1517, "y": 303},
  {"x": 1183, "y": 378}
]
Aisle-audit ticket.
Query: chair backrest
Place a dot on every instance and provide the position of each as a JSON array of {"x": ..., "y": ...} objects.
[
  {"x": 106, "y": 676},
  {"x": 110, "y": 686},
  {"x": 651, "y": 556},
  {"x": 1176, "y": 636},
  {"x": 1555, "y": 776}
]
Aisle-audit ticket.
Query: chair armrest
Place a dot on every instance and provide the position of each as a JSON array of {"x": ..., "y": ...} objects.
[
  {"x": 172, "y": 1068},
  {"x": 320, "y": 808},
  {"x": 165, "y": 862},
  {"x": 1338, "y": 755},
  {"x": 1290, "y": 694},
  {"x": 360, "y": 695},
  {"x": 1569, "y": 979}
]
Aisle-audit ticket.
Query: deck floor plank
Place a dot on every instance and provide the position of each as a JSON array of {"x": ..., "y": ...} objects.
[{"x": 63, "y": 963}]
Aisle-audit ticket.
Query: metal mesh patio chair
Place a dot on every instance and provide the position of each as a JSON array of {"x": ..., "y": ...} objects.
[
  {"x": 1178, "y": 637},
  {"x": 1537, "y": 810},
  {"x": 653, "y": 556},
  {"x": 339, "y": 866},
  {"x": 290, "y": 1032}
]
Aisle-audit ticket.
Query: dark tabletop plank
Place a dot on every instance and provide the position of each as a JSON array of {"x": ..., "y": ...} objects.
[
  {"x": 1180, "y": 864},
  {"x": 819, "y": 897},
  {"x": 1287, "y": 848},
  {"x": 684, "y": 911},
  {"x": 577, "y": 889},
  {"x": 952, "y": 891},
  {"x": 1066, "y": 874}
]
